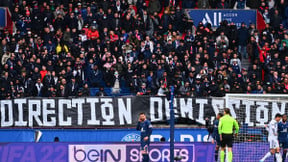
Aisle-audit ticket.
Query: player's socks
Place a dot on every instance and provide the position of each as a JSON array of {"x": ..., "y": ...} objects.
[
  {"x": 216, "y": 155},
  {"x": 284, "y": 155},
  {"x": 266, "y": 156},
  {"x": 145, "y": 158},
  {"x": 278, "y": 157},
  {"x": 230, "y": 156},
  {"x": 222, "y": 156}
]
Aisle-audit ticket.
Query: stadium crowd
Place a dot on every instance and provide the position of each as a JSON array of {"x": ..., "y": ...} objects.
[{"x": 63, "y": 48}]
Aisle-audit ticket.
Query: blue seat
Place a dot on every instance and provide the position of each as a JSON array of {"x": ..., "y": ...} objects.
[{"x": 123, "y": 91}]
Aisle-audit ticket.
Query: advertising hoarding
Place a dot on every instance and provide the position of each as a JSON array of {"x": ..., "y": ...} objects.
[
  {"x": 216, "y": 16},
  {"x": 123, "y": 152}
]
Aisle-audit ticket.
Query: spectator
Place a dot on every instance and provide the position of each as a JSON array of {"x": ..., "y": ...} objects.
[
  {"x": 93, "y": 34},
  {"x": 38, "y": 89},
  {"x": 62, "y": 91},
  {"x": 286, "y": 17},
  {"x": 213, "y": 89},
  {"x": 198, "y": 88},
  {"x": 184, "y": 89},
  {"x": 263, "y": 7},
  {"x": 240, "y": 4},
  {"x": 243, "y": 36},
  {"x": 43, "y": 72},
  {"x": 73, "y": 87},
  {"x": 5, "y": 57},
  {"x": 213, "y": 3},
  {"x": 266, "y": 16},
  {"x": 203, "y": 4},
  {"x": 95, "y": 76},
  {"x": 142, "y": 90},
  {"x": 259, "y": 90},
  {"x": 86, "y": 45},
  {"x": 165, "y": 21},
  {"x": 222, "y": 5},
  {"x": 222, "y": 41},
  {"x": 162, "y": 91},
  {"x": 186, "y": 4},
  {"x": 276, "y": 20},
  {"x": 253, "y": 4},
  {"x": 252, "y": 49},
  {"x": 62, "y": 48},
  {"x": 236, "y": 88},
  {"x": 4, "y": 48},
  {"x": 85, "y": 91},
  {"x": 101, "y": 92},
  {"x": 154, "y": 6}
]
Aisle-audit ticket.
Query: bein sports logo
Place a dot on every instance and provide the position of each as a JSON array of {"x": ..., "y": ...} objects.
[
  {"x": 160, "y": 152},
  {"x": 97, "y": 153},
  {"x": 132, "y": 137}
]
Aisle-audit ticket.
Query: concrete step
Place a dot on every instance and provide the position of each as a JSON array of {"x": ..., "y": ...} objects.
[{"x": 245, "y": 63}]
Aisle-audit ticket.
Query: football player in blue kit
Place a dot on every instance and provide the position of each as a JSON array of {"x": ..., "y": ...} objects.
[
  {"x": 145, "y": 127},
  {"x": 216, "y": 136},
  {"x": 282, "y": 135}
]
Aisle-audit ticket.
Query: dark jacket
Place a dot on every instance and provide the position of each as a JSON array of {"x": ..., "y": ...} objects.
[
  {"x": 73, "y": 90},
  {"x": 222, "y": 5},
  {"x": 243, "y": 35}
]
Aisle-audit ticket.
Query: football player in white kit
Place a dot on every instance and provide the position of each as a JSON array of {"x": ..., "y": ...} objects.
[{"x": 273, "y": 139}]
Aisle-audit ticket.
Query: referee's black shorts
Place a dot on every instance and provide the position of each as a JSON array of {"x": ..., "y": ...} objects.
[{"x": 227, "y": 140}]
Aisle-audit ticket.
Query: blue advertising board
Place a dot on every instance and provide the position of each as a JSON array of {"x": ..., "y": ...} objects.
[
  {"x": 118, "y": 135},
  {"x": 104, "y": 152},
  {"x": 101, "y": 135},
  {"x": 124, "y": 152},
  {"x": 125, "y": 135},
  {"x": 215, "y": 17},
  {"x": 2, "y": 17}
]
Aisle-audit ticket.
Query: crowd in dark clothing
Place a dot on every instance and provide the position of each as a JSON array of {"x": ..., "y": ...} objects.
[{"x": 63, "y": 48}]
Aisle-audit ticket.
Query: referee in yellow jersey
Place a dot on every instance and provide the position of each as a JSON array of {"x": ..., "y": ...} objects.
[{"x": 225, "y": 128}]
